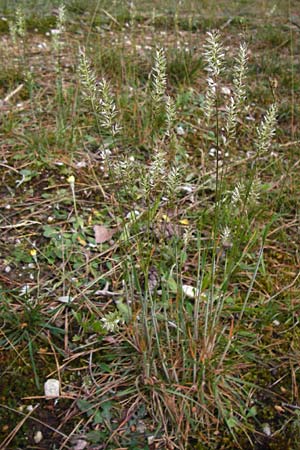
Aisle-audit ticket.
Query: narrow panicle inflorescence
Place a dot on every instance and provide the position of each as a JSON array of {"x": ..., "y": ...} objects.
[
  {"x": 214, "y": 57},
  {"x": 99, "y": 94},
  {"x": 17, "y": 28},
  {"x": 210, "y": 99},
  {"x": 159, "y": 81},
  {"x": 60, "y": 28},
  {"x": 172, "y": 181},
  {"x": 13, "y": 31},
  {"x": 156, "y": 172},
  {"x": 231, "y": 120},
  {"x": 254, "y": 192},
  {"x": 266, "y": 130},
  {"x": 132, "y": 13},
  {"x": 125, "y": 170},
  {"x": 246, "y": 193},
  {"x": 238, "y": 97},
  {"x": 107, "y": 108},
  {"x": 239, "y": 78},
  {"x": 226, "y": 237},
  {"x": 87, "y": 78},
  {"x": 20, "y": 23},
  {"x": 61, "y": 17},
  {"x": 236, "y": 194},
  {"x": 214, "y": 54},
  {"x": 170, "y": 115}
]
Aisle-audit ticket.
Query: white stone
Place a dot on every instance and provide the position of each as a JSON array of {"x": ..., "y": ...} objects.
[
  {"x": 189, "y": 291},
  {"x": 180, "y": 131},
  {"x": 51, "y": 388},
  {"x": 65, "y": 299},
  {"x": 38, "y": 436},
  {"x": 267, "y": 429}
]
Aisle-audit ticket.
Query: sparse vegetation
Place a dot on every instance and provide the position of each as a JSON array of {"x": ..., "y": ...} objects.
[{"x": 149, "y": 220}]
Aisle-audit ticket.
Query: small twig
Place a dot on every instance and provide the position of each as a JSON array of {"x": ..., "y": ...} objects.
[
  {"x": 9, "y": 167},
  {"x": 26, "y": 223},
  {"x": 111, "y": 17},
  {"x": 295, "y": 23},
  {"x": 70, "y": 435},
  {"x": 4, "y": 444},
  {"x": 285, "y": 288},
  {"x": 11, "y": 94},
  {"x": 287, "y": 405},
  {"x": 228, "y": 22},
  {"x": 32, "y": 418}
]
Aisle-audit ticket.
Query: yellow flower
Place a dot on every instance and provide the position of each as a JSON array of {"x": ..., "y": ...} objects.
[
  {"x": 33, "y": 252},
  {"x": 71, "y": 179}
]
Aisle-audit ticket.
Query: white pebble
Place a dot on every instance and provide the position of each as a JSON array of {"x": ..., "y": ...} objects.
[
  {"x": 267, "y": 429},
  {"x": 38, "y": 436},
  {"x": 180, "y": 131},
  {"x": 51, "y": 388}
]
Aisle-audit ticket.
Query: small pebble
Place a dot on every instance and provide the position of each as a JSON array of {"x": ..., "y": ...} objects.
[
  {"x": 267, "y": 429},
  {"x": 180, "y": 131},
  {"x": 38, "y": 436},
  {"x": 51, "y": 388}
]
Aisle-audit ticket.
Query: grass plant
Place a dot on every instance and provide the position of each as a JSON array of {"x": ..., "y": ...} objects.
[{"x": 148, "y": 256}]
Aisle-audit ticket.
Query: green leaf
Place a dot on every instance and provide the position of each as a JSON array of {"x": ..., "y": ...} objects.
[
  {"x": 252, "y": 412},
  {"x": 124, "y": 310},
  {"x": 98, "y": 418},
  {"x": 106, "y": 410},
  {"x": 49, "y": 231},
  {"x": 172, "y": 285},
  {"x": 96, "y": 437},
  {"x": 231, "y": 422},
  {"x": 84, "y": 405}
]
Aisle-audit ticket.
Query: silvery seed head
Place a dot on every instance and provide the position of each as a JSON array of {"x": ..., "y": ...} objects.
[
  {"x": 159, "y": 78},
  {"x": 214, "y": 54}
]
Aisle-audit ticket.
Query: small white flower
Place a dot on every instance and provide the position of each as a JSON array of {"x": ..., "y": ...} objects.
[
  {"x": 112, "y": 321},
  {"x": 24, "y": 289},
  {"x": 180, "y": 130}
]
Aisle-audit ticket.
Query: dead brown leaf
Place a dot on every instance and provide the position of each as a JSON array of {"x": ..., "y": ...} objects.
[{"x": 103, "y": 234}]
